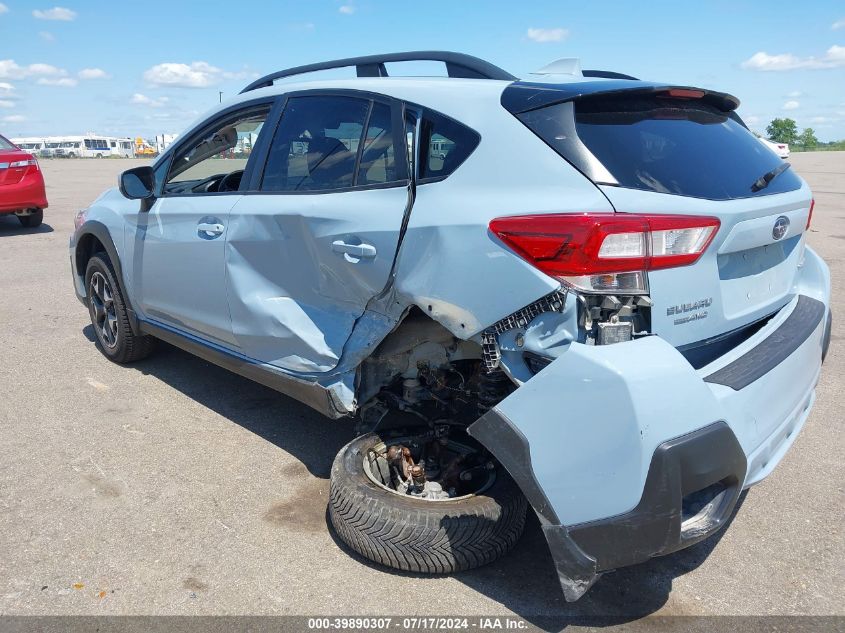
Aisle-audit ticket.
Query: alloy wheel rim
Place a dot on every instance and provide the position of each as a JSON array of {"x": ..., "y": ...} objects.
[{"x": 103, "y": 309}]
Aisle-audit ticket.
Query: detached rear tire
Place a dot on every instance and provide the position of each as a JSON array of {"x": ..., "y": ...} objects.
[
  {"x": 33, "y": 220},
  {"x": 412, "y": 534},
  {"x": 109, "y": 316}
]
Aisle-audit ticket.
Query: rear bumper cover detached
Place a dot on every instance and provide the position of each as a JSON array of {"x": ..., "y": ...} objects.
[
  {"x": 656, "y": 526},
  {"x": 640, "y": 455}
]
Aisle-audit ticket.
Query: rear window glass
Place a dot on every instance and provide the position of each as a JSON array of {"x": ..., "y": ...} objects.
[
  {"x": 4, "y": 144},
  {"x": 445, "y": 145},
  {"x": 667, "y": 146}
]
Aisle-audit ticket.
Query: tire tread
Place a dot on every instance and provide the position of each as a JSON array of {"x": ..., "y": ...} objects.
[{"x": 430, "y": 538}]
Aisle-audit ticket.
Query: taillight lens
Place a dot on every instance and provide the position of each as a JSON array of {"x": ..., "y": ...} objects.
[
  {"x": 810, "y": 216},
  {"x": 25, "y": 163},
  {"x": 590, "y": 250}
]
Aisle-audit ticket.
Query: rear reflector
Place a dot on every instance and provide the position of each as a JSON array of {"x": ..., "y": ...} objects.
[{"x": 583, "y": 249}]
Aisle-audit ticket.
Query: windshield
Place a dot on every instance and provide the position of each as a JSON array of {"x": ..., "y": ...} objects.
[{"x": 681, "y": 147}]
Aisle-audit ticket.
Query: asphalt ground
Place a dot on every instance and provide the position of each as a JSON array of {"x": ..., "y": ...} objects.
[{"x": 174, "y": 487}]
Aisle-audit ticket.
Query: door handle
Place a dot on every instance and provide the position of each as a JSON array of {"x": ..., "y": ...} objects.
[
  {"x": 210, "y": 229},
  {"x": 355, "y": 250}
]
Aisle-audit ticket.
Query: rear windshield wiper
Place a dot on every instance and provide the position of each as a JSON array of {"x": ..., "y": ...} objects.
[{"x": 763, "y": 181}]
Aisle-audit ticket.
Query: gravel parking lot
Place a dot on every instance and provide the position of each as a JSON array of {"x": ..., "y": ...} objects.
[{"x": 175, "y": 487}]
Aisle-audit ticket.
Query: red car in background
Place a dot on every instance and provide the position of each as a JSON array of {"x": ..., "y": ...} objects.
[{"x": 21, "y": 185}]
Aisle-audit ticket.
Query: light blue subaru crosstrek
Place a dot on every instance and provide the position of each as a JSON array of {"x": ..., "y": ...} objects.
[{"x": 583, "y": 293}]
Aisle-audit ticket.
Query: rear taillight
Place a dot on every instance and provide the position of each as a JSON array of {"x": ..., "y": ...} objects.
[
  {"x": 25, "y": 163},
  {"x": 606, "y": 252},
  {"x": 810, "y": 216}
]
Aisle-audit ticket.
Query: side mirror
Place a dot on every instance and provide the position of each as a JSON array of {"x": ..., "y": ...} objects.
[{"x": 138, "y": 183}]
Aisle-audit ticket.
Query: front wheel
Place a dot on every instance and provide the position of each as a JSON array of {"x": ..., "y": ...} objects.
[
  {"x": 32, "y": 220},
  {"x": 109, "y": 316},
  {"x": 472, "y": 514}
]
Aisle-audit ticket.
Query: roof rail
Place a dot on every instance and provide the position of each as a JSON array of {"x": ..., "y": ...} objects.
[
  {"x": 607, "y": 74},
  {"x": 458, "y": 65}
]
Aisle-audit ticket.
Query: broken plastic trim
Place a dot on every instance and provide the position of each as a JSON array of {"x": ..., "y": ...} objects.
[{"x": 554, "y": 302}]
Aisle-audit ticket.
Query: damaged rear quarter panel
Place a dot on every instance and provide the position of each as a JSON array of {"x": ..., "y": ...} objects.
[{"x": 450, "y": 265}]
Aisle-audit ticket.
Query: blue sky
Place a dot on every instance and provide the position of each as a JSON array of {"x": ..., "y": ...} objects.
[{"x": 148, "y": 67}]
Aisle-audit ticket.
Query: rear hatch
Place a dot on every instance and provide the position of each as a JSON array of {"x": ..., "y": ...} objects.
[{"x": 662, "y": 150}]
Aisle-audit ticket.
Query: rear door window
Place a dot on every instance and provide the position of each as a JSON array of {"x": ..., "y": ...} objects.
[{"x": 682, "y": 147}]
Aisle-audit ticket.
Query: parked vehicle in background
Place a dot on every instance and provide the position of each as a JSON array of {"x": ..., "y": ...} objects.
[
  {"x": 143, "y": 149},
  {"x": 34, "y": 146},
  {"x": 121, "y": 147},
  {"x": 781, "y": 149},
  {"x": 21, "y": 185},
  {"x": 50, "y": 149},
  {"x": 87, "y": 146},
  {"x": 621, "y": 340}
]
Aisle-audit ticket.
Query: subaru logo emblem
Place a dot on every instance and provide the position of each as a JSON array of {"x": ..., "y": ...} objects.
[{"x": 781, "y": 227}]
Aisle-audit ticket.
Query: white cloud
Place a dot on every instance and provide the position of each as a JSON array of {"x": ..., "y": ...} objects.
[
  {"x": 14, "y": 118},
  {"x": 834, "y": 57},
  {"x": 61, "y": 82},
  {"x": 6, "y": 88},
  {"x": 56, "y": 13},
  {"x": 794, "y": 94},
  {"x": 45, "y": 69},
  {"x": 46, "y": 36},
  {"x": 751, "y": 120},
  {"x": 791, "y": 105},
  {"x": 3, "y": 8},
  {"x": 547, "y": 35},
  {"x": 139, "y": 99},
  {"x": 193, "y": 75},
  {"x": 347, "y": 9},
  {"x": 5, "y": 103},
  {"x": 839, "y": 24},
  {"x": 93, "y": 73},
  {"x": 9, "y": 69}
]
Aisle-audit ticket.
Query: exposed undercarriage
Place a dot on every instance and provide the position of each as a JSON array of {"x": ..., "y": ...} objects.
[{"x": 423, "y": 378}]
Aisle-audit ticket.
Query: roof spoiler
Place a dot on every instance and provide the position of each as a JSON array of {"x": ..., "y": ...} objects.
[{"x": 522, "y": 96}]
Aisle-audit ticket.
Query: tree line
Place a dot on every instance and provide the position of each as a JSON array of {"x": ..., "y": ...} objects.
[{"x": 786, "y": 131}]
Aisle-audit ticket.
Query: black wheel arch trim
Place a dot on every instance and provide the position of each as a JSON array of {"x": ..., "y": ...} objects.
[
  {"x": 679, "y": 466},
  {"x": 101, "y": 233},
  {"x": 576, "y": 570}
]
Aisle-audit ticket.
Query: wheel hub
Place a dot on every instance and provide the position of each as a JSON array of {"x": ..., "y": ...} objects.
[{"x": 430, "y": 466}]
